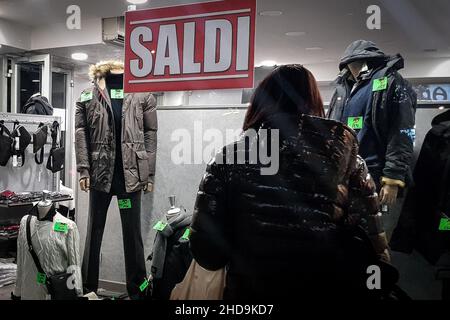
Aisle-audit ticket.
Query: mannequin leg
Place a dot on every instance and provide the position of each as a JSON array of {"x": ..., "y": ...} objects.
[
  {"x": 98, "y": 208},
  {"x": 133, "y": 244}
]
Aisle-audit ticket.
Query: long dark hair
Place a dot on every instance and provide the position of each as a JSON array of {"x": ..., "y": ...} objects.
[{"x": 288, "y": 89}]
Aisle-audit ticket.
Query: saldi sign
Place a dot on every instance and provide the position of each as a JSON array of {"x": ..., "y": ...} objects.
[{"x": 199, "y": 46}]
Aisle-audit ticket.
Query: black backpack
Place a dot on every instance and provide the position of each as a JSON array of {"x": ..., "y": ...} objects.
[
  {"x": 38, "y": 105},
  {"x": 6, "y": 143}
]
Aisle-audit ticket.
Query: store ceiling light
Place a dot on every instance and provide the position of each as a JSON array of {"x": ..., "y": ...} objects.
[
  {"x": 137, "y": 1},
  {"x": 314, "y": 48},
  {"x": 79, "y": 56},
  {"x": 271, "y": 13},
  {"x": 295, "y": 33},
  {"x": 268, "y": 63}
]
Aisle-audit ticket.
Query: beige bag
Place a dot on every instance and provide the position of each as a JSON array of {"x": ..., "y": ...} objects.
[{"x": 200, "y": 284}]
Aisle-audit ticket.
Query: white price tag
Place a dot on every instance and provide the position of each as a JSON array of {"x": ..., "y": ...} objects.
[{"x": 15, "y": 163}]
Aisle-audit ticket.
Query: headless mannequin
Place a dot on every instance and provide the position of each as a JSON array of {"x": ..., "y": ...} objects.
[
  {"x": 85, "y": 182},
  {"x": 173, "y": 211},
  {"x": 388, "y": 193},
  {"x": 45, "y": 208},
  {"x": 99, "y": 203}
]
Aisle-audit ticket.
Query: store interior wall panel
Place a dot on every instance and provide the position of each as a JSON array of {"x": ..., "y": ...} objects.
[{"x": 171, "y": 179}]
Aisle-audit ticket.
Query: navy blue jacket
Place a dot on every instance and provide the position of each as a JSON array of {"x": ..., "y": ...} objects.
[{"x": 393, "y": 107}]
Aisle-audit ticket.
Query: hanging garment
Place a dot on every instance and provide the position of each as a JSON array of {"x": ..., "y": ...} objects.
[
  {"x": 39, "y": 141},
  {"x": 424, "y": 222},
  {"x": 38, "y": 104},
  {"x": 56, "y": 158},
  {"x": 21, "y": 140},
  {"x": 57, "y": 251},
  {"x": 6, "y": 142}
]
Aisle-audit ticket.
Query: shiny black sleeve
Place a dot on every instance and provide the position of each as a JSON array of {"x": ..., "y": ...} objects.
[{"x": 210, "y": 243}]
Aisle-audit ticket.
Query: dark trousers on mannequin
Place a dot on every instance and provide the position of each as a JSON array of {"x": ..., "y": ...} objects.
[{"x": 132, "y": 241}]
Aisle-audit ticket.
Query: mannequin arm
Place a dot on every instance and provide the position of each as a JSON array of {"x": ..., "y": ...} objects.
[
  {"x": 81, "y": 140},
  {"x": 150, "y": 136}
]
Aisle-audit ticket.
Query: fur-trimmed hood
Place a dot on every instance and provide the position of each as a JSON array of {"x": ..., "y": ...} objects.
[{"x": 101, "y": 69}]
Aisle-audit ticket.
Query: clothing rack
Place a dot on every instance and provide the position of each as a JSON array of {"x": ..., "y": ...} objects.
[
  {"x": 31, "y": 177},
  {"x": 27, "y": 119}
]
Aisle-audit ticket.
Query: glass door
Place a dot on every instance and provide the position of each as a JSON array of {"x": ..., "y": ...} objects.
[
  {"x": 61, "y": 101},
  {"x": 31, "y": 75}
]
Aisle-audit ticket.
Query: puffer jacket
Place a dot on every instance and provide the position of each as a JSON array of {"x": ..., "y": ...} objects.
[
  {"x": 393, "y": 109},
  {"x": 95, "y": 137},
  {"x": 281, "y": 231}
]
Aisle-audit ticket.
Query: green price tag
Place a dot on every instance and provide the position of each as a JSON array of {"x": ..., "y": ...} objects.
[
  {"x": 444, "y": 225},
  {"x": 86, "y": 96},
  {"x": 125, "y": 204},
  {"x": 144, "y": 285},
  {"x": 116, "y": 93},
  {"x": 160, "y": 226},
  {"x": 186, "y": 234},
  {"x": 380, "y": 84},
  {"x": 61, "y": 227},
  {"x": 41, "y": 278},
  {"x": 356, "y": 123}
]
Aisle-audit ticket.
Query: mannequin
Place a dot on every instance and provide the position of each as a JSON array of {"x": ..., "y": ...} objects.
[
  {"x": 171, "y": 256},
  {"x": 55, "y": 240},
  {"x": 374, "y": 100},
  {"x": 116, "y": 155},
  {"x": 44, "y": 206}
]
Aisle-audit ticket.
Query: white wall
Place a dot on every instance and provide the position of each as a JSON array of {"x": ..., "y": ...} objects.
[
  {"x": 57, "y": 35},
  {"x": 15, "y": 35}
]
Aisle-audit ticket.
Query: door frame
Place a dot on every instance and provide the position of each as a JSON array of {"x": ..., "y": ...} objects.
[
  {"x": 70, "y": 115},
  {"x": 46, "y": 84}
]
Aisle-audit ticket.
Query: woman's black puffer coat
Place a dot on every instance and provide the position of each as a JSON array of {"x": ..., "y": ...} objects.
[{"x": 288, "y": 234}]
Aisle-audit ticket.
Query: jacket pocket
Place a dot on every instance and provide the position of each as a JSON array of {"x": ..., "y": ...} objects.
[
  {"x": 143, "y": 165},
  {"x": 94, "y": 162}
]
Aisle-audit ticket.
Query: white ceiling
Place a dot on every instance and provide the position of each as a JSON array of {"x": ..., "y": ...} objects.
[{"x": 408, "y": 26}]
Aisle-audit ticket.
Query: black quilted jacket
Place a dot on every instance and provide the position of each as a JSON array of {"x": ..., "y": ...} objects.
[{"x": 291, "y": 229}]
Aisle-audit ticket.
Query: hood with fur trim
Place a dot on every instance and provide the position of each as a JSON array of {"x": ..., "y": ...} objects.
[{"x": 101, "y": 69}]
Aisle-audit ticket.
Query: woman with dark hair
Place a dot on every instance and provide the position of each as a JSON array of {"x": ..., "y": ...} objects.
[{"x": 312, "y": 228}]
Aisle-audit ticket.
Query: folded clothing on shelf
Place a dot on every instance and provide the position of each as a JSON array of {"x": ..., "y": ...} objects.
[
  {"x": 8, "y": 271},
  {"x": 9, "y": 232},
  {"x": 9, "y": 197}
]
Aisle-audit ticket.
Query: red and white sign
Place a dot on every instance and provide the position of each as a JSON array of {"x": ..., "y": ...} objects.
[{"x": 199, "y": 46}]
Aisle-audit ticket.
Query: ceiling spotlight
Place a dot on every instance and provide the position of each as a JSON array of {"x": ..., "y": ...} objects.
[
  {"x": 441, "y": 108},
  {"x": 295, "y": 33},
  {"x": 153, "y": 51},
  {"x": 268, "y": 63},
  {"x": 271, "y": 13},
  {"x": 137, "y": 1},
  {"x": 79, "y": 56}
]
